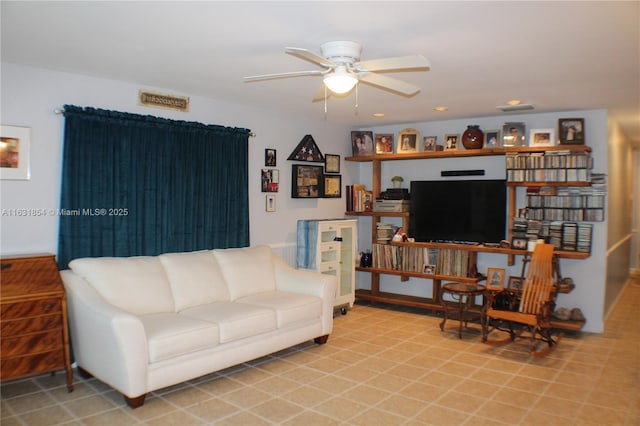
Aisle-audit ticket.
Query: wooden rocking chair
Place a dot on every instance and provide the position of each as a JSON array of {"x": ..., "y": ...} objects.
[{"x": 536, "y": 305}]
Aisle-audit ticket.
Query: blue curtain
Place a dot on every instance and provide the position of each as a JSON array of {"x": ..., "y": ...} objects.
[{"x": 141, "y": 185}]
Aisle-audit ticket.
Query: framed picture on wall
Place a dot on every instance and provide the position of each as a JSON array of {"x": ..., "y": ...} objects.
[
  {"x": 14, "y": 152},
  {"x": 331, "y": 163},
  {"x": 332, "y": 186},
  {"x": 571, "y": 131},
  {"x": 306, "y": 181},
  {"x": 270, "y": 157}
]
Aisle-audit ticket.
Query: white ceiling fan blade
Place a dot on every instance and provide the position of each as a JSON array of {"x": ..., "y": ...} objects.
[
  {"x": 283, "y": 75},
  {"x": 320, "y": 94},
  {"x": 388, "y": 83},
  {"x": 310, "y": 56},
  {"x": 411, "y": 62}
]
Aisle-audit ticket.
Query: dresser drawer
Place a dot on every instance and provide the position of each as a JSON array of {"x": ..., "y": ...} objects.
[
  {"x": 31, "y": 308},
  {"x": 31, "y": 343},
  {"x": 12, "y": 368},
  {"x": 29, "y": 325}
]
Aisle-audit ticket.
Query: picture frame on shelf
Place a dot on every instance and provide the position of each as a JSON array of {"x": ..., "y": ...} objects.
[
  {"x": 495, "y": 278},
  {"x": 270, "y": 204},
  {"x": 571, "y": 131},
  {"x": 306, "y": 181},
  {"x": 513, "y": 134},
  {"x": 332, "y": 186},
  {"x": 515, "y": 283},
  {"x": 15, "y": 151},
  {"x": 269, "y": 157},
  {"x": 408, "y": 140},
  {"x": 542, "y": 137},
  {"x": 492, "y": 139},
  {"x": 451, "y": 141},
  {"x": 519, "y": 243},
  {"x": 429, "y": 269},
  {"x": 430, "y": 143},
  {"x": 384, "y": 143},
  {"x": 362, "y": 142},
  {"x": 331, "y": 163}
]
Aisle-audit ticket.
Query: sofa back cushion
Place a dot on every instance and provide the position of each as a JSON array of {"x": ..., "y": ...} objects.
[
  {"x": 136, "y": 284},
  {"x": 195, "y": 278},
  {"x": 247, "y": 270}
]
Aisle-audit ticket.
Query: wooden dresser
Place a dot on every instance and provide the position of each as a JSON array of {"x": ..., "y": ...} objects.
[{"x": 34, "y": 334}]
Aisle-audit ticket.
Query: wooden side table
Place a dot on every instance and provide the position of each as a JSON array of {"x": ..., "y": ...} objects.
[
  {"x": 462, "y": 311},
  {"x": 33, "y": 322}
]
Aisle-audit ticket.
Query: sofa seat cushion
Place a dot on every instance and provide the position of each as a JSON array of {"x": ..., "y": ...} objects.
[
  {"x": 195, "y": 278},
  {"x": 247, "y": 270},
  {"x": 136, "y": 284},
  {"x": 171, "y": 334},
  {"x": 235, "y": 320},
  {"x": 289, "y": 307}
]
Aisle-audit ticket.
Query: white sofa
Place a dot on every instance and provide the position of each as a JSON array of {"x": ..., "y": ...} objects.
[{"x": 144, "y": 323}]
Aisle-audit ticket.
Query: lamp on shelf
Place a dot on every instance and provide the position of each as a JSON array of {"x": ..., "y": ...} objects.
[{"x": 340, "y": 81}]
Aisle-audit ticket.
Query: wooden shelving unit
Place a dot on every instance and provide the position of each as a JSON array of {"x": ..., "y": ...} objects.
[{"x": 434, "y": 303}]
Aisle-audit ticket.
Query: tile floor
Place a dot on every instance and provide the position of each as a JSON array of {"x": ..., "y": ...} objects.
[{"x": 381, "y": 366}]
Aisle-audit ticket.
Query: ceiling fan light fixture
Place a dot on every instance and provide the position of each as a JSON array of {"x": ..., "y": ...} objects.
[{"x": 340, "y": 83}]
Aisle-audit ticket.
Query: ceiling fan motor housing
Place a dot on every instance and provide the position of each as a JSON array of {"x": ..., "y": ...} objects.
[{"x": 342, "y": 52}]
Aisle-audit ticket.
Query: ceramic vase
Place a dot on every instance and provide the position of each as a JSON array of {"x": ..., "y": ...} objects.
[{"x": 472, "y": 137}]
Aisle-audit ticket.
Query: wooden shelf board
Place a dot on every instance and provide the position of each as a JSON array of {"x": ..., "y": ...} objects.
[
  {"x": 497, "y": 250},
  {"x": 548, "y": 183},
  {"x": 417, "y": 275},
  {"x": 378, "y": 214},
  {"x": 398, "y": 299}
]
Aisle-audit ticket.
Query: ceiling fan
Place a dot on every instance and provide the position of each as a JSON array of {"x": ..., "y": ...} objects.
[{"x": 343, "y": 69}]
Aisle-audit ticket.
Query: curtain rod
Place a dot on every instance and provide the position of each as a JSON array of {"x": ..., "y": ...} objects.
[{"x": 60, "y": 111}]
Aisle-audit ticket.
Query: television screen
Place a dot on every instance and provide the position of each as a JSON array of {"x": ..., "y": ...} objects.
[{"x": 458, "y": 211}]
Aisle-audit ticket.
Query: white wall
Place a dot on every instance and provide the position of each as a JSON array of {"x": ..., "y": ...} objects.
[
  {"x": 30, "y": 96},
  {"x": 589, "y": 275}
]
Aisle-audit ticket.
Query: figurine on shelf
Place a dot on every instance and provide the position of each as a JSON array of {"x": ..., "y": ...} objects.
[{"x": 400, "y": 236}]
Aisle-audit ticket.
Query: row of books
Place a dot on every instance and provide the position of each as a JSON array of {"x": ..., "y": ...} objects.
[
  {"x": 566, "y": 201},
  {"x": 548, "y": 175},
  {"x": 358, "y": 198},
  {"x": 566, "y": 214},
  {"x": 430, "y": 261},
  {"x": 565, "y": 236},
  {"x": 549, "y": 160}
]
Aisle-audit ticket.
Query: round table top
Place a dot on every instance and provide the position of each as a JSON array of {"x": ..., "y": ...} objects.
[{"x": 458, "y": 287}]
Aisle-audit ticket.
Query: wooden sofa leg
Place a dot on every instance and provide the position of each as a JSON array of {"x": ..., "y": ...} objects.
[
  {"x": 136, "y": 402},
  {"x": 322, "y": 339}
]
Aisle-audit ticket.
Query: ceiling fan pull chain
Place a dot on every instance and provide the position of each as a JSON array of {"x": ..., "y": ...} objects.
[{"x": 325, "y": 101}]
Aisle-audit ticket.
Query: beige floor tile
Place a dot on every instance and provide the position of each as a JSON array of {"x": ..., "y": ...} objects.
[
  {"x": 91, "y": 405},
  {"x": 439, "y": 415},
  {"x": 307, "y": 418},
  {"x": 54, "y": 414},
  {"x": 375, "y": 417},
  {"x": 277, "y": 410}
]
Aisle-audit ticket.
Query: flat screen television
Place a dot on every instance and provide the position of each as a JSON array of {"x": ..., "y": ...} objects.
[{"x": 458, "y": 211}]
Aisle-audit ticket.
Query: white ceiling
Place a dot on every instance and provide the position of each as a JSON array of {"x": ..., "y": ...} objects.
[{"x": 555, "y": 55}]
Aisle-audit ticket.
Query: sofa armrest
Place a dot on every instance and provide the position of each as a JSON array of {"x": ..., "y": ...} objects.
[
  {"x": 107, "y": 342},
  {"x": 312, "y": 283}
]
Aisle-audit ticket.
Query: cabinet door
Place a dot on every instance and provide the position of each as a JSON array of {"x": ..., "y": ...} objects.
[{"x": 346, "y": 291}]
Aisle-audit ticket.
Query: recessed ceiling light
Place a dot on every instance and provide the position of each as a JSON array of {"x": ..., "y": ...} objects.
[
  {"x": 441, "y": 108},
  {"x": 378, "y": 114}
]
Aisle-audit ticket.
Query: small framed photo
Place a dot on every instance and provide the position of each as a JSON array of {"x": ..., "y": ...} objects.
[
  {"x": 541, "y": 137},
  {"x": 515, "y": 283},
  {"x": 271, "y": 203},
  {"x": 451, "y": 142},
  {"x": 513, "y": 134},
  {"x": 306, "y": 181},
  {"x": 495, "y": 278},
  {"x": 331, "y": 163},
  {"x": 362, "y": 142},
  {"x": 408, "y": 140},
  {"x": 492, "y": 139},
  {"x": 430, "y": 143},
  {"x": 571, "y": 131},
  {"x": 384, "y": 143},
  {"x": 519, "y": 243},
  {"x": 429, "y": 269},
  {"x": 14, "y": 153},
  {"x": 270, "y": 180},
  {"x": 269, "y": 157},
  {"x": 332, "y": 186}
]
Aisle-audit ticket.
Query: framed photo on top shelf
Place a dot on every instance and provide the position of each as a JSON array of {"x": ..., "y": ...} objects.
[
  {"x": 384, "y": 143},
  {"x": 332, "y": 187},
  {"x": 513, "y": 134},
  {"x": 451, "y": 142},
  {"x": 306, "y": 181},
  {"x": 542, "y": 137},
  {"x": 331, "y": 163},
  {"x": 491, "y": 139},
  {"x": 408, "y": 140},
  {"x": 571, "y": 131},
  {"x": 495, "y": 278},
  {"x": 430, "y": 143},
  {"x": 362, "y": 142}
]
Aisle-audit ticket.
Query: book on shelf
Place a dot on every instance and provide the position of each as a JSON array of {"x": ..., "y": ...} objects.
[{"x": 358, "y": 198}]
